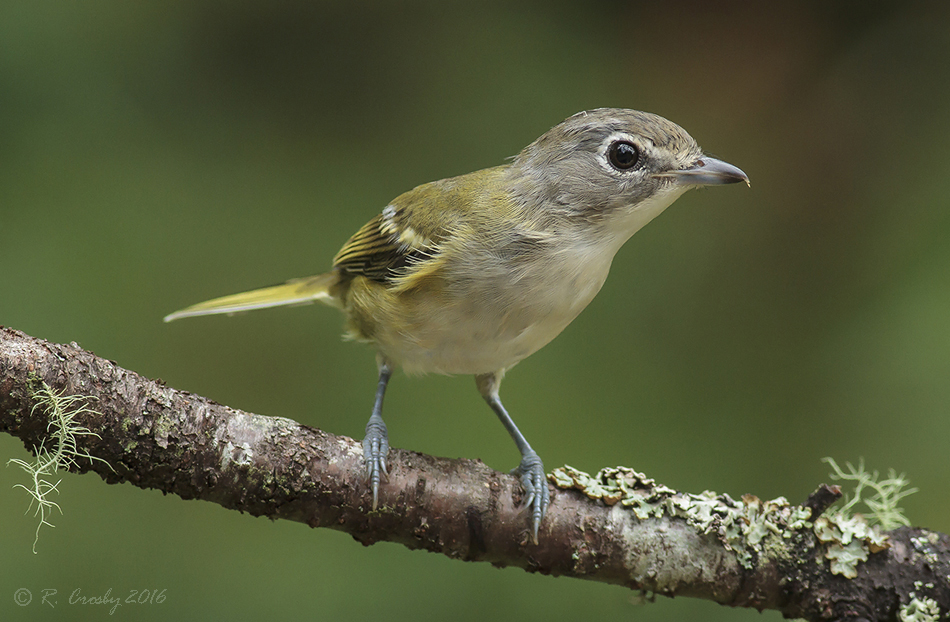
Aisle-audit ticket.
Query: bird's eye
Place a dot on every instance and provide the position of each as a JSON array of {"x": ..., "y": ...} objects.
[{"x": 623, "y": 155}]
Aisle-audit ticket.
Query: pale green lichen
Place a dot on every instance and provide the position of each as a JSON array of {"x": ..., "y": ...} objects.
[
  {"x": 850, "y": 536},
  {"x": 742, "y": 526},
  {"x": 61, "y": 452},
  {"x": 748, "y": 526},
  {"x": 798, "y": 520},
  {"x": 920, "y": 609},
  {"x": 845, "y": 558},
  {"x": 924, "y": 544}
]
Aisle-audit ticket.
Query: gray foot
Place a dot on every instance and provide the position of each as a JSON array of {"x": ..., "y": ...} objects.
[
  {"x": 375, "y": 449},
  {"x": 531, "y": 472}
]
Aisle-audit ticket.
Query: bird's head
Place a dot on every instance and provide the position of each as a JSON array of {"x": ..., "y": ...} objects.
[{"x": 614, "y": 167}]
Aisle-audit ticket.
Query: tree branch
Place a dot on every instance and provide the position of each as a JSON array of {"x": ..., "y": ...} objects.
[{"x": 619, "y": 527}]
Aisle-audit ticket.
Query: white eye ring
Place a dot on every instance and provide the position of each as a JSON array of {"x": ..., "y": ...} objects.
[{"x": 606, "y": 152}]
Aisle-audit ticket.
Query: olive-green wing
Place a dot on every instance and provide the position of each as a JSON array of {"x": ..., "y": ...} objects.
[
  {"x": 387, "y": 244},
  {"x": 415, "y": 226}
]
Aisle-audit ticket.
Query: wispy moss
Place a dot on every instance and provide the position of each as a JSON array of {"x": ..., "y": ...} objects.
[
  {"x": 880, "y": 496},
  {"x": 58, "y": 451}
]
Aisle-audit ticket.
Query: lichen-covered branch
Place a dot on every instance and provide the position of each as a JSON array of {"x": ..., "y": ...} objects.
[{"x": 617, "y": 527}]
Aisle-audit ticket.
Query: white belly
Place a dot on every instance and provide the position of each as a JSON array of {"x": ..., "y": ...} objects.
[{"x": 493, "y": 321}]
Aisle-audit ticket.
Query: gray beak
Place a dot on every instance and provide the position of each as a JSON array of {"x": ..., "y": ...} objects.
[{"x": 707, "y": 171}]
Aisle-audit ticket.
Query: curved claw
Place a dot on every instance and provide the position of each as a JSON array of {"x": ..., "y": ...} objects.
[
  {"x": 537, "y": 496},
  {"x": 375, "y": 449}
]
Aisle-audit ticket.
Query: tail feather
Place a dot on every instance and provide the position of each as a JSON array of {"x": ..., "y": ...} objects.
[{"x": 297, "y": 291}]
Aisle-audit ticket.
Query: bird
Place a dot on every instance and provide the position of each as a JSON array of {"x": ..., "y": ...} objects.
[{"x": 474, "y": 273}]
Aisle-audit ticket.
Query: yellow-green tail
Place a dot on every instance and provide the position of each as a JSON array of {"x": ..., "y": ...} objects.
[{"x": 295, "y": 292}]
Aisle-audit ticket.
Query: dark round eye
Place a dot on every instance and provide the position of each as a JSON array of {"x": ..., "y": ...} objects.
[{"x": 623, "y": 155}]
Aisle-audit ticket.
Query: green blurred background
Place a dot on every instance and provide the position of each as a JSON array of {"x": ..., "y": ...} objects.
[{"x": 154, "y": 154}]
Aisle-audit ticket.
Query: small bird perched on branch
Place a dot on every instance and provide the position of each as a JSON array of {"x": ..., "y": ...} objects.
[{"x": 470, "y": 275}]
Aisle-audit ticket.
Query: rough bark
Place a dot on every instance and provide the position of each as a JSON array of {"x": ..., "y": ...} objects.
[{"x": 154, "y": 436}]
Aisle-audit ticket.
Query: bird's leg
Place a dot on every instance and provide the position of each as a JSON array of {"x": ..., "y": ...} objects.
[
  {"x": 376, "y": 441},
  {"x": 531, "y": 470}
]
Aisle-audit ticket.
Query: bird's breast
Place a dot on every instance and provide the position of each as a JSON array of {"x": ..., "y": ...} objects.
[{"x": 489, "y": 312}]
